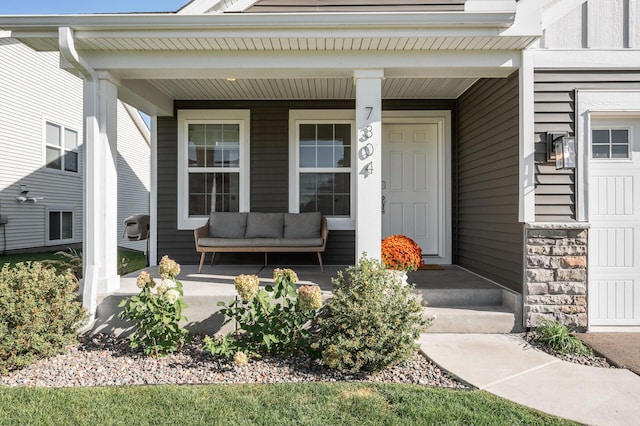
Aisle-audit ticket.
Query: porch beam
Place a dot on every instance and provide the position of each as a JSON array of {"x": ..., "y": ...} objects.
[
  {"x": 368, "y": 173},
  {"x": 145, "y": 97},
  {"x": 307, "y": 64}
]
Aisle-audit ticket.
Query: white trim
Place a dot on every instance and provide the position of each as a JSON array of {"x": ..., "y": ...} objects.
[
  {"x": 612, "y": 59},
  {"x": 601, "y": 103},
  {"x": 153, "y": 195},
  {"x": 239, "y": 116},
  {"x": 333, "y": 116},
  {"x": 59, "y": 209},
  {"x": 443, "y": 118},
  {"x": 526, "y": 199},
  {"x": 139, "y": 122}
]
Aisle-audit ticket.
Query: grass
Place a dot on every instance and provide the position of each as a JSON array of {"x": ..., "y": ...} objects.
[
  {"x": 280, "y": 404},
  {"x": 137, "y": 260}
]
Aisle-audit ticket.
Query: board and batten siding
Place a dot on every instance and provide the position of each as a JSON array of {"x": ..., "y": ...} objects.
[
  {"x": 269, "y": 177},
  {"x": 555, "y": 100},
  {"x": 489, "y": 236},
  {"x": 33, "y": 90}
]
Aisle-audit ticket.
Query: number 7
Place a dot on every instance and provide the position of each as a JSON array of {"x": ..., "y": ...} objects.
[{"x": 370, "y": 109}]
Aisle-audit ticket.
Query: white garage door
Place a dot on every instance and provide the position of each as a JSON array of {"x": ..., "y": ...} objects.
[{"x": 614, "y": 213}]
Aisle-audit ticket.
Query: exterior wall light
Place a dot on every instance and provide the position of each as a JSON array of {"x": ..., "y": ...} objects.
[{"x": 561, "y": 148}]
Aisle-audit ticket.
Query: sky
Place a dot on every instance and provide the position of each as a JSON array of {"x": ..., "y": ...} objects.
[{"x": 50, "y": 7}]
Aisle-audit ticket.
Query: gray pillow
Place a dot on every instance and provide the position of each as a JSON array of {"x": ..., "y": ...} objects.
[
  {"x": 302, "y": 225},
  {"x": 264, "y": 225},
  {"x": 227, "y": 224}
]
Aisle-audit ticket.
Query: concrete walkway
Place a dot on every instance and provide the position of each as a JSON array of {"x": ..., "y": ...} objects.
[{"x": 509, "y": 367}]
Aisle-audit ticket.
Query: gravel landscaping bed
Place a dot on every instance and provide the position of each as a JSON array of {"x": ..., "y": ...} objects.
[
  {"x": 104, "y": 360},
  {"x": 589, "y": 360}
]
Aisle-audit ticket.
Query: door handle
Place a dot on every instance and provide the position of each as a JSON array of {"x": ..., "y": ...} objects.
[{"x": 384, "y": 201}]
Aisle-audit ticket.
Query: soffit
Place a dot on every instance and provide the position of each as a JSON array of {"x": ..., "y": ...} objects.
[{"x": 316, "y": 88}]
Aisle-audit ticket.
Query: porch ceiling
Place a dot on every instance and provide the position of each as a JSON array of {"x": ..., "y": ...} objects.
[{"x": 301, "y": 88}]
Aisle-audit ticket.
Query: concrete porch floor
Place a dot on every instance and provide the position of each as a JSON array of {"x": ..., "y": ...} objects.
[{"x": 450, "y": 287}]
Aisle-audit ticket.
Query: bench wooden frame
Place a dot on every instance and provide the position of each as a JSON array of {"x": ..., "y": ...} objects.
[{"x": 203, "y": 232}]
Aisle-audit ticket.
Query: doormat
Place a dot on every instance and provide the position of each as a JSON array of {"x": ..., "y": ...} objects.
[{"x": 430, "y": 268}]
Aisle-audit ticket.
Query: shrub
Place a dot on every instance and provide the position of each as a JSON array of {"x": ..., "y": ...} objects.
[
  {"x": 270, "y": 320},
  {"x": 157, "y": 314},
  {"x": 371, "y": 322},
  {"x": 70, "y": 260},
  {"x": 39, "y": 313},
  {"x": 558, "y": 337}
]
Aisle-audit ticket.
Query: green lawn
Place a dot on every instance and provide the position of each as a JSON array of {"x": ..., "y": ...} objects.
[
  {"x": 282, "y": 404},
  {"x": 137, "y": 260}
]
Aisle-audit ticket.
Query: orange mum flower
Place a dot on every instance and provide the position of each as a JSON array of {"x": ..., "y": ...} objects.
[{"x": 401, "y": 253}]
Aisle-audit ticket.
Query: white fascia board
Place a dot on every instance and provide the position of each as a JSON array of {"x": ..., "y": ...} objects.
[
  {"x": 621, "y": 59},
  {"x": 528, "y": 19},
  {"x": 490, "y": 6},
  {"x": 299, "y": 21},
  {"x": 197, "y": 7},
  {"x": 307, "y": 64}
]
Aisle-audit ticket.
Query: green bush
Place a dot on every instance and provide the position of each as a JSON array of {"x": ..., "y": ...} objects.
[
  {"x": 558, "y": 337},
  {"x": 372, "y": 321},
  {"x": 157, "y": 314},
  {"x": 39, "y": 313},
  {"x": 269, "y": 321}
]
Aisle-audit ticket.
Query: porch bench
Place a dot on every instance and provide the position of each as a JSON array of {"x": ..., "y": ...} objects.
[{"x": 233, "y": 232}]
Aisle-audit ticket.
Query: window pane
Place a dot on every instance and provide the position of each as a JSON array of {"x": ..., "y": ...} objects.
[
  {"x": 198, "y": 205},
  {"x": 325, "y": 134},
  {"x": 213, "y": 192},
  {"x": 619, "y": 151},
  {"x": 231, "y": 133},
  {"x": 307, "y": 134},
  {"x": 307, "y": 156},
  {"x": 197, "y": 183},
  {"x": 197, "y": 145},
  {"x": 53, "y": 134},
  {"x": 70, "y": 139},
  {"x": 328, "y": 193},
  {"x": 325, "y": 156},
  {"x": 600, "y": 136},
  {"x": 342, "y": 156},
  {"x": 54, "y": 225},
  {"x": 343, "y": 134},
  {"x": 600, "y": 151},
  {"x": 71, "y": 161},
  {"x": 67, "y": 225},
  {"x": 620, "y": 136},
  {"x": 53, "y": 158}
]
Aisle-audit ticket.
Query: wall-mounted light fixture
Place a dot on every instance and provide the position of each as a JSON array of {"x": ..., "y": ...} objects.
[{"x": 561, "y": 148}]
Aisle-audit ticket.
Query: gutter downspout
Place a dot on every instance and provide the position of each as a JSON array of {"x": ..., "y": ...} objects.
[{"x": 90, "y": 76}]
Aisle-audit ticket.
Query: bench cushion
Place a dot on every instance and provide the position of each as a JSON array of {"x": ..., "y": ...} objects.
[
  {"x": 264, "y": 225},
  {"x": 302, "y": 225},
  {"x": 227, "y": 225},
  {"x": 260, "y": 242}
]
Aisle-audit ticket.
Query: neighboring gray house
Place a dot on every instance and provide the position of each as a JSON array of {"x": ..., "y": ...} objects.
[
  {"x": 41, "y": 158},
  {"x": 428, "y": 118}
]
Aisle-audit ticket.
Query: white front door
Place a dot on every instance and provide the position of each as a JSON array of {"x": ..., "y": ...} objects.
[
  {"x": 614, "y": 213},
  {"x": 412, "y": 186}
]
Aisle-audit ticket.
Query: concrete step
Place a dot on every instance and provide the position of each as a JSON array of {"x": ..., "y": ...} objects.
[
  {"x": 462, "y": 297},
  {"x": 471, "y": 319}
]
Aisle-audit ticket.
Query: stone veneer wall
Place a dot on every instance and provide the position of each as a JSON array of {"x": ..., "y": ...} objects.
[{"x": 556, "y": 274}]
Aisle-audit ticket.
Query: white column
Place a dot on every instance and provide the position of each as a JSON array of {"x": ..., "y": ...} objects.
[
  {"x": 368, "y": 173},
  {"x": 526, "y": 210},
  {"x": 153, "y": 204},
  {"x": 100, "y": 191}
]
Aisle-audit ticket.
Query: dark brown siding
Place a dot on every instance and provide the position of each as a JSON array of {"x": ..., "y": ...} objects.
[
  {"x": 555, "y": 112},
  {"x": 489, "y": 236},
  {"x": 269, "y": 175},
  {"x": 308, "y": 6}
]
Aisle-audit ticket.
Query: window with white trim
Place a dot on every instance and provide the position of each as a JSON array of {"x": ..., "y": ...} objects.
[
  {"x": 610, "y": 143},
  {"x": 322, "y": 165},
  {"x": 60, "y": 225},
  {"x": 61, "y": 148},
  {"x": 213, "y": 170}
]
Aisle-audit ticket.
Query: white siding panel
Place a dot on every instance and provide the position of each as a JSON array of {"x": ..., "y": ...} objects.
[
  {"x": 134, "y": 174},
  {"x": 33, "y": 90}
]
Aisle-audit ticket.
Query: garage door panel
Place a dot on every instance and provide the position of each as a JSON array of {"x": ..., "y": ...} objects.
[
  {"x": 614, "y": 214},
  {"x": 614, "y": 300}
]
